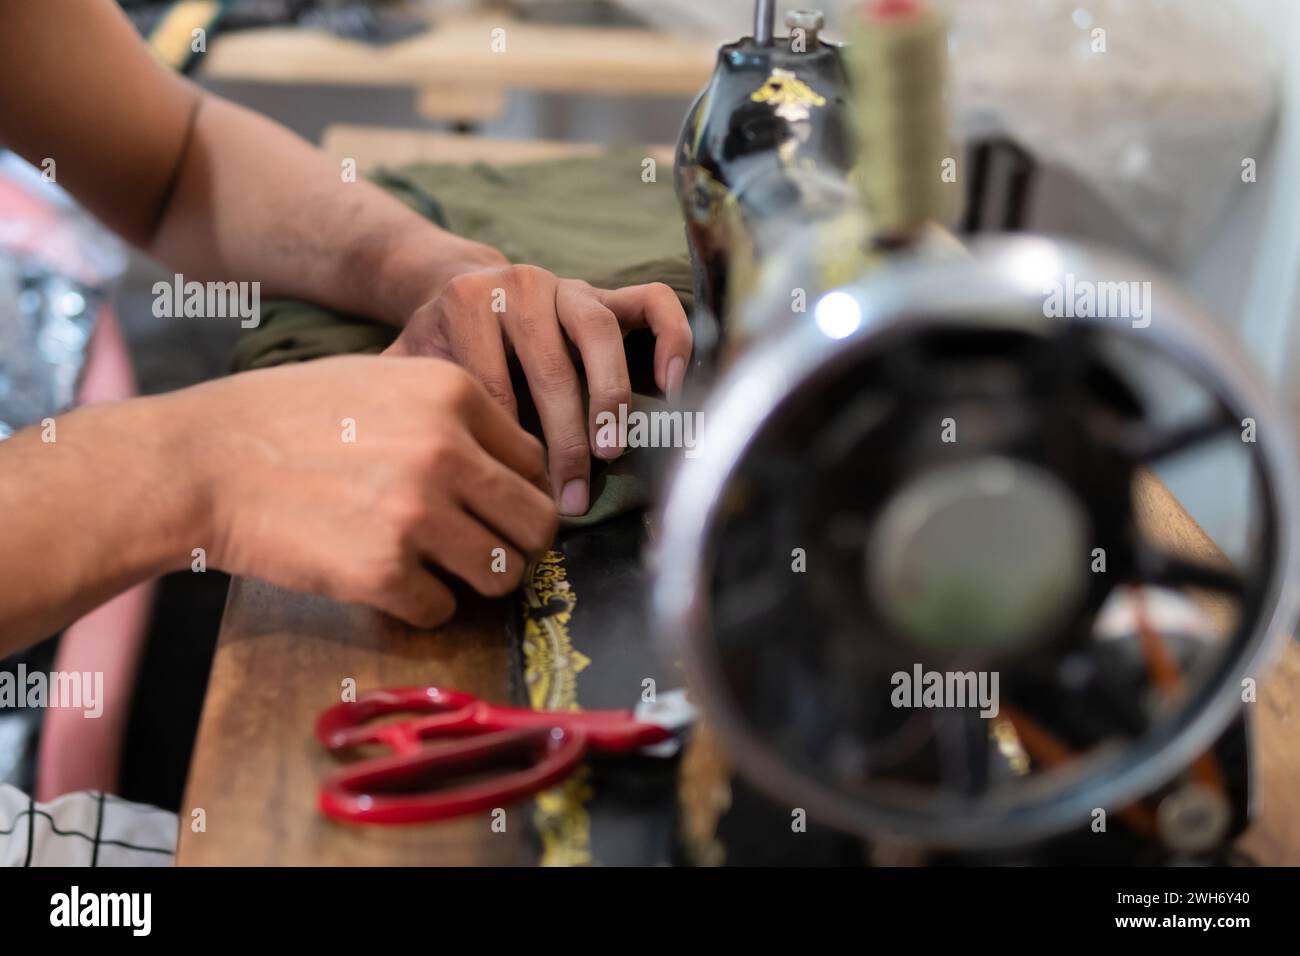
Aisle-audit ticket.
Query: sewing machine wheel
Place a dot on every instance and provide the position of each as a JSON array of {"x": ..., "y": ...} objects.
[{"x": 926, "y": 476}]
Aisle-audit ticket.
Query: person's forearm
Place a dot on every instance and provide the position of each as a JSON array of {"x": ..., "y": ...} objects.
[
  {"x": 117, "y": 497},
  {"x": 252, "y": 201},
  {"x": 213, "y": 190}
]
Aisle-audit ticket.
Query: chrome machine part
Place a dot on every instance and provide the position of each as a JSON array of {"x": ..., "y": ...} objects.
[
  {"x": 764, "y": 21},
  {"x": 980, "y": 553},
  {"x": 811, "y": 22},
  {"x": 1194, "y": 818},
  {"x": 827, "y": 539}
]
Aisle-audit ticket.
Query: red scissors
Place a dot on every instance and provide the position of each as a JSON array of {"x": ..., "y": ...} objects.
[{"x": 396, "y": 788}]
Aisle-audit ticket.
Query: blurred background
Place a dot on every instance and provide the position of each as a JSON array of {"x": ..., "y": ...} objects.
[{"x": 1158, "y": 127}]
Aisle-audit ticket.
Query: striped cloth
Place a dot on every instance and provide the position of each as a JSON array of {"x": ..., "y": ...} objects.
[{"x": 87, "y": 828}]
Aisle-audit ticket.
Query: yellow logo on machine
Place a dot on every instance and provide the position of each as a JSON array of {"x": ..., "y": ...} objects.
[{"x": 791, "y": 96}]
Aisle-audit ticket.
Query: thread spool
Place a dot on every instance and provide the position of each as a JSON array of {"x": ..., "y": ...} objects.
[{"x": 898, "y": 66}]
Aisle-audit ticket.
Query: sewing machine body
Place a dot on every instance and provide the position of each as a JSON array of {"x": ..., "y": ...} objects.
[
  {"x": 907, "y": 462},
  {"x": 765, "y": 149}
]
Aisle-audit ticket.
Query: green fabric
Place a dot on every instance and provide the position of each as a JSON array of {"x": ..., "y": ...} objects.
[
  {"x": 576, "y": 217},
  {"x": 616, "y": 487},
  {"x": 589, "y": 218}
]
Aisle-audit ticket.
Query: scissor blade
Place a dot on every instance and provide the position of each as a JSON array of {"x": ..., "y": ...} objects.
[{"x": 672, "y": 711}]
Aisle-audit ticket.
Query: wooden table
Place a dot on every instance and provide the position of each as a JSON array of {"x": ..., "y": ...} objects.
[
  {"x": 283, "y": 657},
  {"x": 457, "y": 71}
]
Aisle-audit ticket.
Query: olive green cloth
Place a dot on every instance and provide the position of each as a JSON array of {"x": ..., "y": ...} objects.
[{"x": 589, "y": 218}]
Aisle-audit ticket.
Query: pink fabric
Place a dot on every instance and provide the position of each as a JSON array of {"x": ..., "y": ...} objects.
[{"x": 78, "y": 752}]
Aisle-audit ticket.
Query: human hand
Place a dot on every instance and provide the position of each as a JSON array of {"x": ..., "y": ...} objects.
[
  {"x": 480, "y": 316},
  {"x": 359, "y": 477}
]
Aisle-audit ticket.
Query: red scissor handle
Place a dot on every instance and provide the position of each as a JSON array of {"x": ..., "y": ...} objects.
[
  {"x": 348, "y": 724},
  {"x": 381, "y": 790},
  {"x": 453, "y": 713},
  {"x": 403, "y": 786}
]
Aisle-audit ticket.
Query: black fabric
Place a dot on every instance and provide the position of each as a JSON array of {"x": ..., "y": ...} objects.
[{"x": 170, "y": 686}]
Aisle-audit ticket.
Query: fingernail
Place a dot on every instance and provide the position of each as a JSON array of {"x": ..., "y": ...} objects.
[
  {"x": 676, "y": 373},
  {"x": 573, "y": 499},
  {"x": 605, "y": 445}
]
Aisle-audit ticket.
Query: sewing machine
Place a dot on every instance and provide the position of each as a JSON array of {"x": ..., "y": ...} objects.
[{"x": 907, "y": 572}]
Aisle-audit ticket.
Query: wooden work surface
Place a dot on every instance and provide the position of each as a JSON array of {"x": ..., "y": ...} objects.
[{"x": 282, "y": 658}]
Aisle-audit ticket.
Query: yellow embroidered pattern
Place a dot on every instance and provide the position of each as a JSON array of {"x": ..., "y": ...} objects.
[{"x": 551, "y": 668}]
